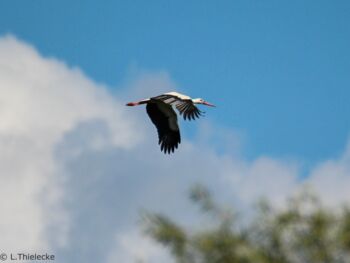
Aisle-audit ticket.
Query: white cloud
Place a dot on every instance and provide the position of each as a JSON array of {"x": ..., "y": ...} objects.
[
  {"x": 41, "y": 99},
  {"x": 133, "y": 247},
  {"x": 263, "y": 177},
  {"x": 76, "y": 166},
  {"x": 331, "y": 179}
]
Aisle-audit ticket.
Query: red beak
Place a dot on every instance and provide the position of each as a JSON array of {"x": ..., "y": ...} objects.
[{"x": 208, "y": 104}]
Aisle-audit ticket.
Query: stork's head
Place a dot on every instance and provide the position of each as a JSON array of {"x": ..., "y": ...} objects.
[{"x": 201, "y": 101}]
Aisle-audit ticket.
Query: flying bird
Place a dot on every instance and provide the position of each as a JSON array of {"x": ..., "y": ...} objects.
[{"x": 161, "y": 112}]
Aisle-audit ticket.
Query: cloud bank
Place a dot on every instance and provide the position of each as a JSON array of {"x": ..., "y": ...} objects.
[{"x": 76, "y": 166}]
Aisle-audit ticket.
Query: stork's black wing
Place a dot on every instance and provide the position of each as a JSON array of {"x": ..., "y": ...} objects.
[
  {"x": 189, "y": 110},
  {"x": 185, "y": 106},
  {"x": 166, "y": 123}
]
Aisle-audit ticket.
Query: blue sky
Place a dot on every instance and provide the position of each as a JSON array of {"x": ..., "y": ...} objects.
[{"x": 278, "y": 70}]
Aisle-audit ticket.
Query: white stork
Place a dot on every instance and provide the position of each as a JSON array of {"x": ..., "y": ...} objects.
[{"x": 163, "y": 116}]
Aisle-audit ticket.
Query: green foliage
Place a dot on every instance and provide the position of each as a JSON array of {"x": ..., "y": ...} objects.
[
  {"x": 344, "y": 230},
  {"x": 168, "y": 233},
  {"x": 302, "y": 232}
]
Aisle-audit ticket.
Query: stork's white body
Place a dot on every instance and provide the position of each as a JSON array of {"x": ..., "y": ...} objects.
[{"x": 179, "y": 96}]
